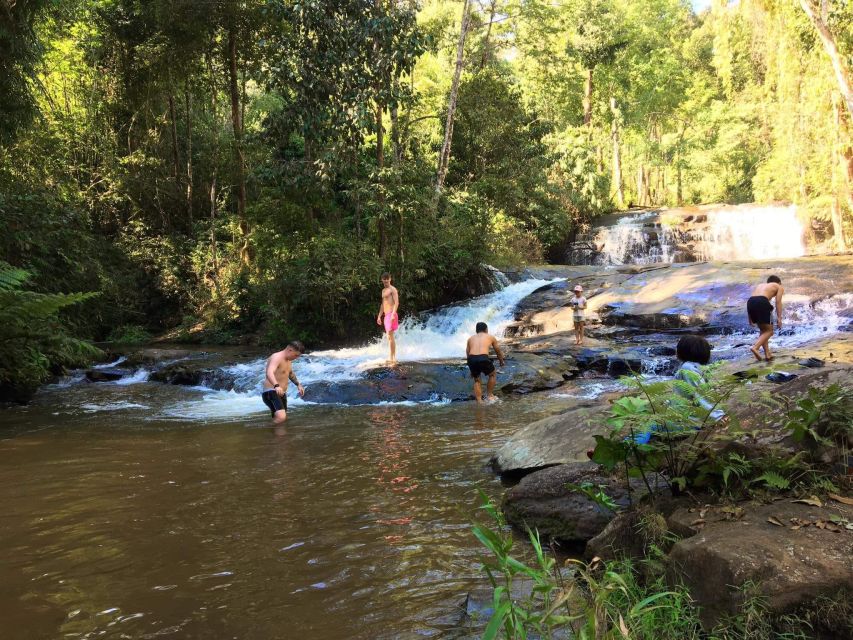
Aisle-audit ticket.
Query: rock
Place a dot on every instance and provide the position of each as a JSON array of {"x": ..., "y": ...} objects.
[
  {"x": 542, "y": 502},
  {"x": 106, "y": 375},
  {"x": 195, "y": 375},
  {"x": 151, "y": 356},
  {"x": 553, "y": 440},
  {"x": 629, "y": 535},
  {"x": 790, "y": 568}
]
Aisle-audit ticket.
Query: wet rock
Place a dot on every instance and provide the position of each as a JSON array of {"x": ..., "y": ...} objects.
[
  {"x": 553, "y": 440},
  {"x": 195, "y": 375},
  {"x": 106, "y": 375},
  {"x": 150, "y": 357},
  {"x": 542, "y": 502},
  {"x": 790, "y": 568}
]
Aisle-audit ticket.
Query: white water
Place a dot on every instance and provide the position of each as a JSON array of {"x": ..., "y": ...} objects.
[
  {"x": 441, "y": 335},
  {"x": 743, "y": 232}
]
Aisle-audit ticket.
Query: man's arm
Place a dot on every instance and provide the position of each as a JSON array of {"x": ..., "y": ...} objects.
[
  {"x": 779, "y": 292},
  {"x": 468, "y": 348},
  {"x": 498, "y": 351},
  {"x": 379, "y": 316},
  {"x": 295, "y": 381},
  {"x": 396, "y": 298}
]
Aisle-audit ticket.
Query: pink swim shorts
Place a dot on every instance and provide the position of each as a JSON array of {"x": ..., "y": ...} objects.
[{"x": 391, "y": 322}]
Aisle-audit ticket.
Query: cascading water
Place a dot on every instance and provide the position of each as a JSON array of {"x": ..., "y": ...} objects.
[
  {"x": 742, "y": 232},
  {"x": 440, "y": 335}
]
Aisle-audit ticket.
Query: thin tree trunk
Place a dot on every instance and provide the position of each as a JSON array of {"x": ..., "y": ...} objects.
[
  {"x": 380, "y": 164},
  {"x": 395, "y": 133},
  {"x": 487, "y": 38},
  {"x": 840, "y": 185},
  {"x": 188, "y": 103},
  {"x": 617, "y": 156},
  {"x": 239, "y": 158},
  {"x": 640, "y": 189},
  {"x": 587, "y": 99},
  {"x": 176, "y": 163},
  {"x": 444, "y": 156},
  {"x": 842, "y": 75}
]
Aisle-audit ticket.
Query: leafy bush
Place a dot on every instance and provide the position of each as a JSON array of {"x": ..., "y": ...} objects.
[
  {"x": 33, "y": 342},
  {"x": 130, "y": 334}
]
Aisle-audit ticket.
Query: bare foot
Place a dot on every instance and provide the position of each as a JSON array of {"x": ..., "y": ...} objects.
[
  {"x": 756, "y": 353},
  {"x": 491, "y": 398},
  {"x": 770, "y": 358}
]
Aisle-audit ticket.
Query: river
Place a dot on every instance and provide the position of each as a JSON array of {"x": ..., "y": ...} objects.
[{"x": 142, "y": 510}]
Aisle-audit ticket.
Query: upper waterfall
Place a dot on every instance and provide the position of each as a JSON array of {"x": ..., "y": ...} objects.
[{"x": 693, "y": 234}]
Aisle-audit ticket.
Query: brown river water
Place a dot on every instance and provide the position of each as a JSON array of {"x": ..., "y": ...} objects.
[{"x": 121, "y": 522}]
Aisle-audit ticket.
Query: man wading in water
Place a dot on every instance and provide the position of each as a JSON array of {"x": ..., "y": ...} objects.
[
  {"x": 388, "y": 308},
  {"x": 279, "y": 371},
  {"x": 760, "y": 312},
  {"x": 479, "y": 363}
]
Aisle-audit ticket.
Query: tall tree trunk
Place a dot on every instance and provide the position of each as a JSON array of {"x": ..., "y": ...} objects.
[
  {"x": 237, "y": 127},
  {"x": 380, "y": 164},
  {"x": 188, "y": 103},
  {"x": 396, "y": 147},
  {"x": 640, "y": 186},
  {"x": 487, "y": 38},
  {"x": 617, "y": 156},
  {"x": 214, "y": 259},
  {"x": 842, "y": 74},
  {"x": 843, "y": 183},
  {"x": 587, "y": 99},
  {"x": 444, "y": 155},
  {"x": 176, "y": 163}
]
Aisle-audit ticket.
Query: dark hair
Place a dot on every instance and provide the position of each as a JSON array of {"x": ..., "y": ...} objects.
[
  {"x": 775, "y": 279},
  {"x": 693, "y": 349},
  {"x": 482, "y": 328},
  {"x": 297, "y": 346},
  {"x": 385, "y": 276}
]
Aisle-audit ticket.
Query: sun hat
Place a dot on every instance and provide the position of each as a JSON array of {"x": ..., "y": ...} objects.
[{"x": 578, "y": 288}]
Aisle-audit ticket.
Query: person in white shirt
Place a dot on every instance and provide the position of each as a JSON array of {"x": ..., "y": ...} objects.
[{"x": 579, "y": 306}]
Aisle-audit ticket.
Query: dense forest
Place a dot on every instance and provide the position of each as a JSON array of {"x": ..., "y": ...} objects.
[{"x": 222, "y": 168}]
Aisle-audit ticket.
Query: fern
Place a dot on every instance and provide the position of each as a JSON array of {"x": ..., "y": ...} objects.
[{"x": 773, "y": 480}]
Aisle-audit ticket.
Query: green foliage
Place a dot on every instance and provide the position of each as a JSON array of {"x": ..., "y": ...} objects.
[
  {"x": 823, "y": 414},
  {"x": 592, "y": 601},
  {"x": 594, "y": 493},
  {"x": 33, "y": 342},
  {"x": 131, "y": 334}
]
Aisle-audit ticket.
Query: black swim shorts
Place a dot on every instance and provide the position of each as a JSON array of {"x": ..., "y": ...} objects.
[
  {"x": 760, "y": 310},
  {"x": 480, "y": 365},
  {"x": 274, "y": 401}
]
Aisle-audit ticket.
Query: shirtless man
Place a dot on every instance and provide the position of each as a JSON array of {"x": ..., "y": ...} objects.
[
  {"x": 760, "y": 311},
  {"x": 388, "y": 308},
  {"x": 479, "y": 363},
  {"x": 279, "y": 371}
]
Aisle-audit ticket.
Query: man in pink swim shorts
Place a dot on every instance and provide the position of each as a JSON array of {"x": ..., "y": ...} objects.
[{"x": 388, "y": 308}]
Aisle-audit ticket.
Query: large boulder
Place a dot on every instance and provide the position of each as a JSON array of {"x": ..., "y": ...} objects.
[
  {"x": 543, "y": 502},
  {"x": 554, "y": 440},
  {"x": 789, "y": 552},
  {"x": 155, "y": 356}
]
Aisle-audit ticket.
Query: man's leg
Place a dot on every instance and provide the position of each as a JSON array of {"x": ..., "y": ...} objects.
[
  {"x": 478, "y": 390},
  {"x": 393, "y": 346},
  {"x": 278, "y": 419},
  {"x": 766, "y": 332},
  {"x": 490, "y": 385}
]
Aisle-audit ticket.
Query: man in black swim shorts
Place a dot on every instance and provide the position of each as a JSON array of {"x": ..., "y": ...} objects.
[
  {"x": 279, "y": 372},
  {"x": 760, "y": 313},
  {"x": 479, "y": 362}
]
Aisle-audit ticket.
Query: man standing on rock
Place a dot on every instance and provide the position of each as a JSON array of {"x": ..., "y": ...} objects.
[
  {"x": 760, "y": 313},
  {"x": 388, "y": 308},
  {"x": 279, "y": 372},
  {"x": 479, "y": 363}
]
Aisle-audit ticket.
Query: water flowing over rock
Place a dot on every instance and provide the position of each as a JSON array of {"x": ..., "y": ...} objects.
[{"x": 693, "y": 234}]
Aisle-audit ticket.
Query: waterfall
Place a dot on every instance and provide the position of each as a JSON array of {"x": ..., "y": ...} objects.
[{"x": 742, "y": 232}]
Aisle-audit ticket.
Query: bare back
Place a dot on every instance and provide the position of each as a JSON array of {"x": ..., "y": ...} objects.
[
  {"x": 767, "y": 289},
  {"x": 479, "y": 344}
]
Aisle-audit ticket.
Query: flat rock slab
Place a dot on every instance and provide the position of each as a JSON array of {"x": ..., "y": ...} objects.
[
  {"x": 791, "y": 567},
  {"x": 554, "y": 440}
]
